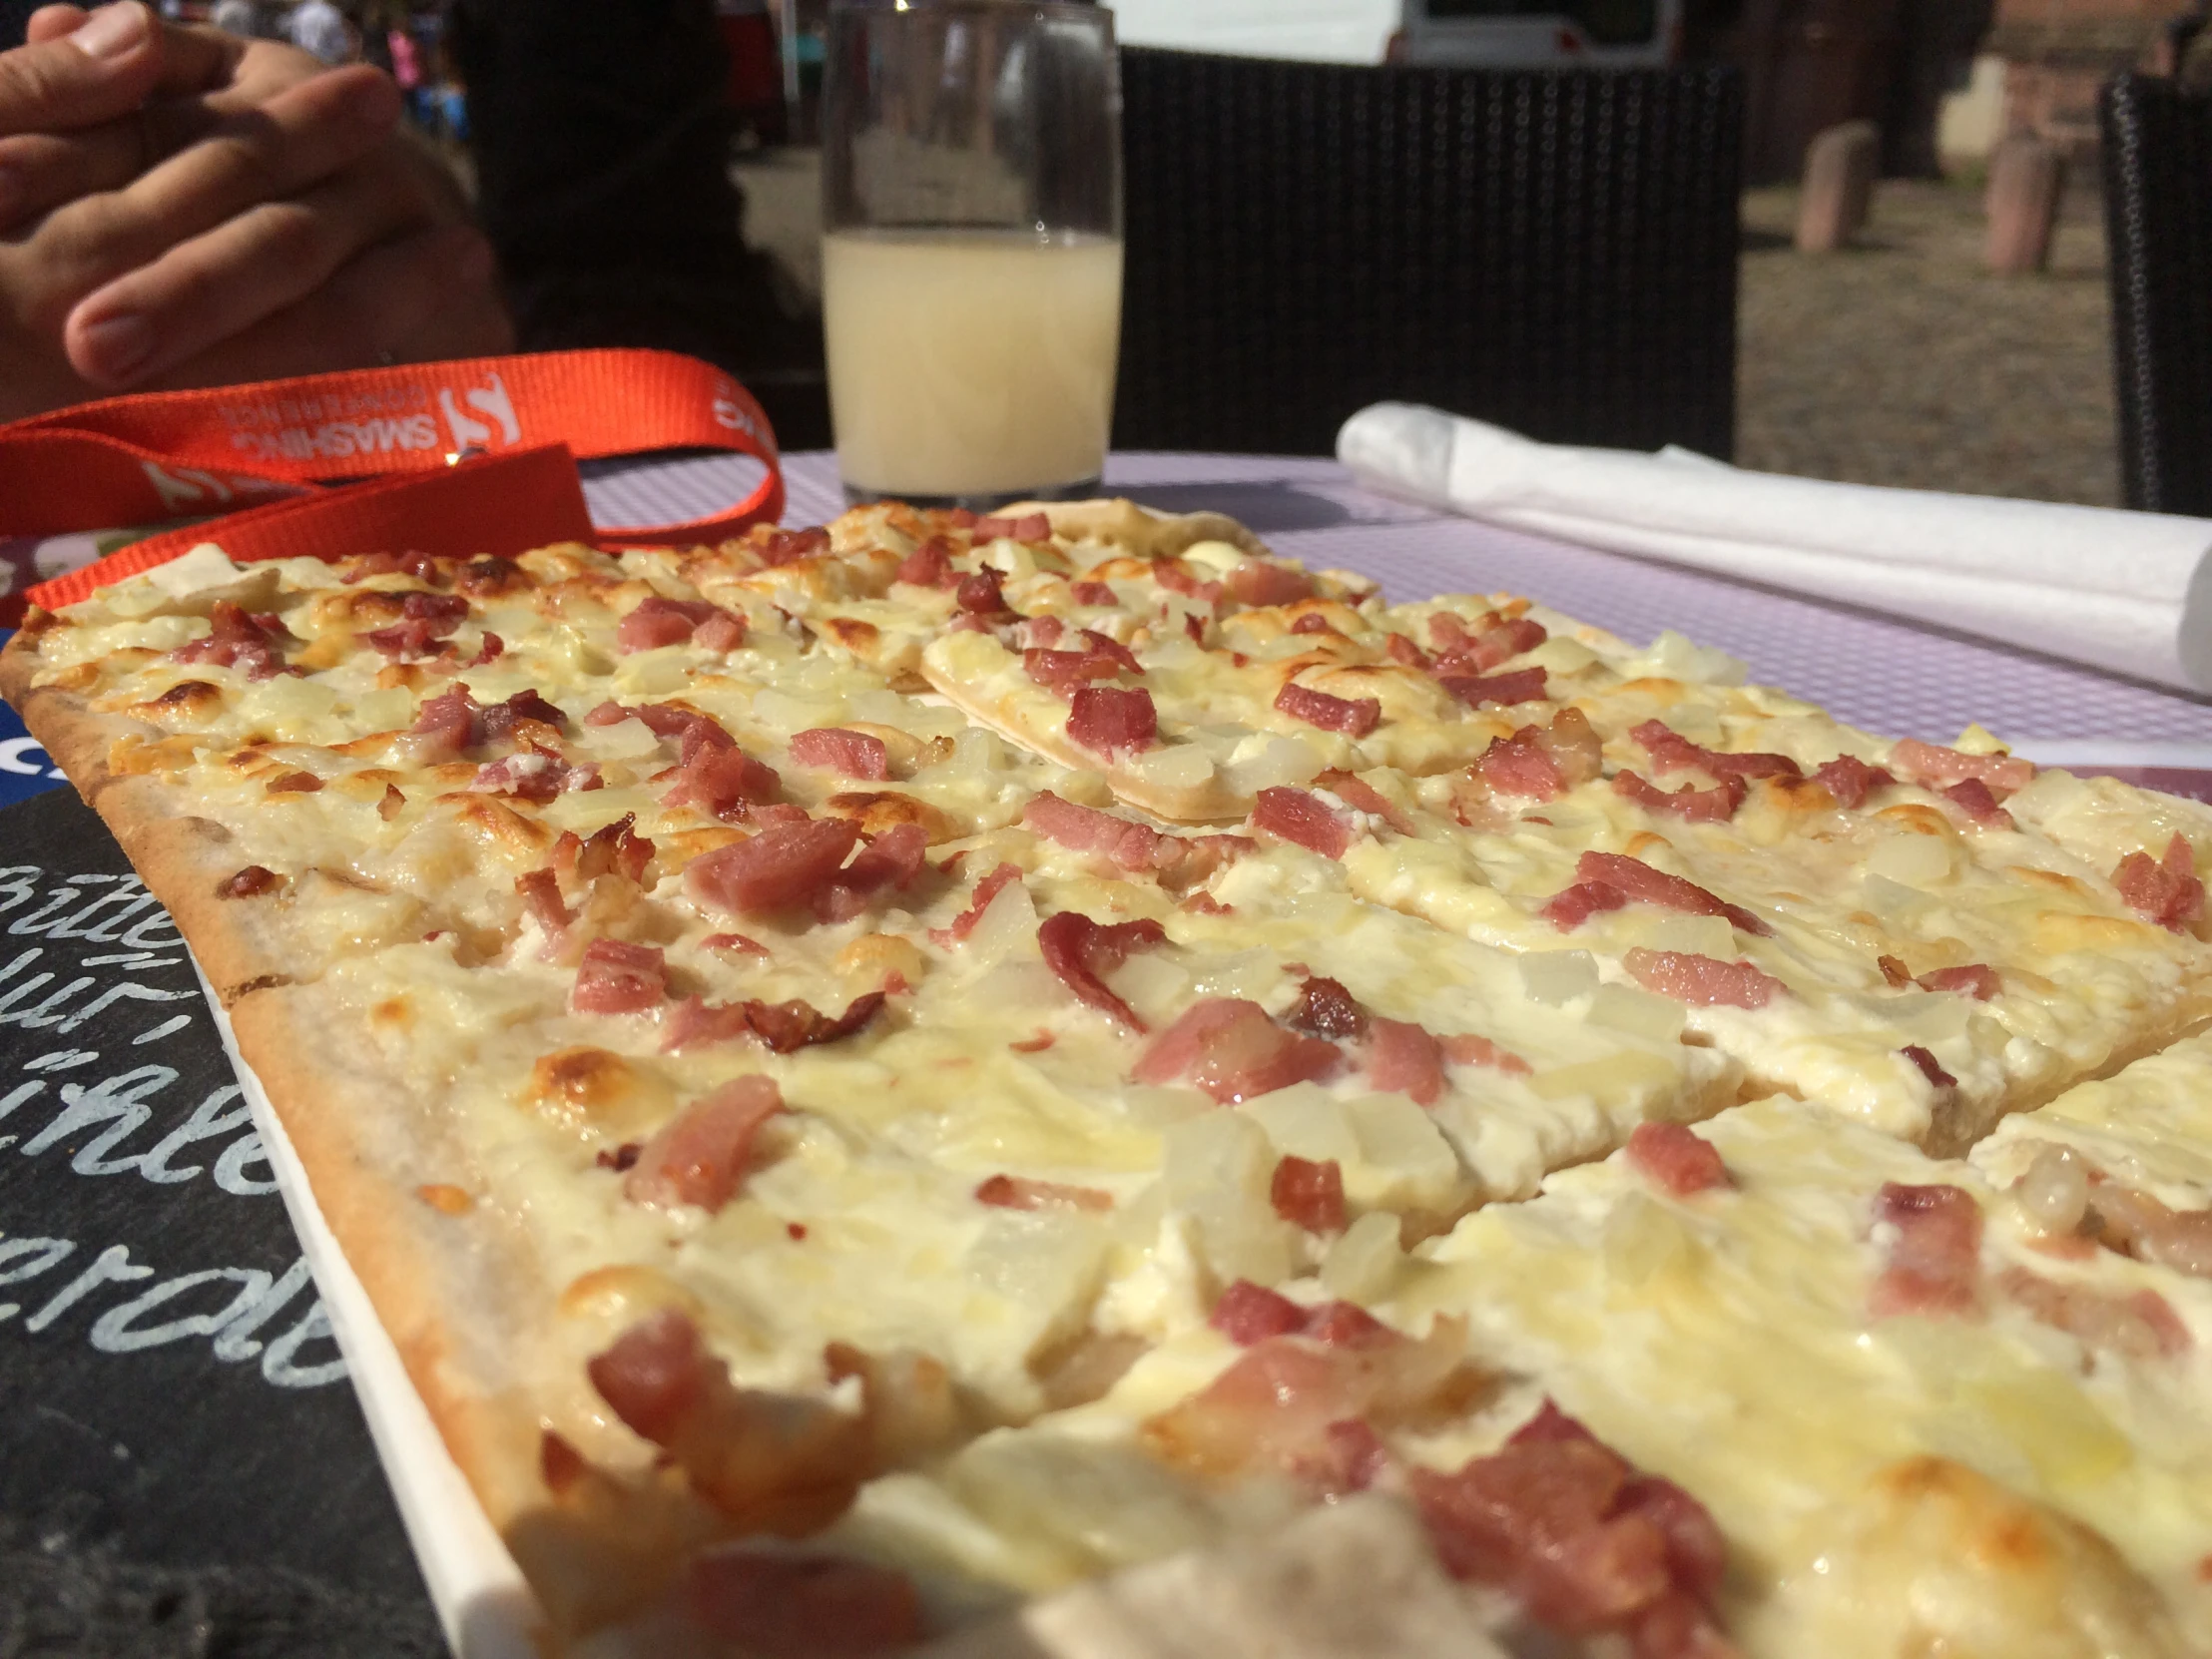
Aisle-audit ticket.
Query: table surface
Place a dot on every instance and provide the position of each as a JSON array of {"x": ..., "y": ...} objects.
[{"x": 186, "y": 1495}]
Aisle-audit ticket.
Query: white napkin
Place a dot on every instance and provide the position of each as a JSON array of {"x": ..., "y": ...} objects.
[{"x": 2128, "y": 592}]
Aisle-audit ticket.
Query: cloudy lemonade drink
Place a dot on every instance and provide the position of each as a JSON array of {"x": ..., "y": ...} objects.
[{"x": 970, "y": 362}]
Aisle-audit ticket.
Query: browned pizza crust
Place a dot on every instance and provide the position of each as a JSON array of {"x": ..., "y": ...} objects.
[{"x": 1122, "y": 523}]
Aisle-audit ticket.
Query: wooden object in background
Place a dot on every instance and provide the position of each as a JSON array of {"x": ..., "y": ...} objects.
[
  {"x": 1839, "y": 167},
  {"x": 2027, "y": 175}
]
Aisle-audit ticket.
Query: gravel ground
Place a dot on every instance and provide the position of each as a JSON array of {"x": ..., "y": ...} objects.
[{"x": 1900, "y": 361}]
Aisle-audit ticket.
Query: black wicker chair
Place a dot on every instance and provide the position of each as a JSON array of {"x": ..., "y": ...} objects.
[
  {"x": 2158, "y": 230},
  {"x": 1552, "y": 251}
]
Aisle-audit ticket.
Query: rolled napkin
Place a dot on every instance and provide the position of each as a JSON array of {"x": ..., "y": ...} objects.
[{"x": 2124, "y": 591}]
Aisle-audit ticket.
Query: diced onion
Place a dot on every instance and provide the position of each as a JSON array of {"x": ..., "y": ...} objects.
[
  {"x": 1214, "y": 555},
  {"x": 1007, "y": 926},
  {"x": 780, "y": 711},
  {"x": 1398, "y": 1138},
  {"x": 1616, "y": 1078},
  {"x": 1555, "y": 977},
  {"x": 388, "y": 710},
  {"x": 1153, "y": 985},
  {"x": 1913, "y": 860},
  {"x": 1363, "y": 1264},
  {"x": 2054, "y": 1192},
  {"x": 654, "y": 672},
  {"x": 1562, "y": 656},
  {"x": 1306, "y": 1121},
  {"x": 1623, "y": 1009},
  {"x": 1671, "y": 656},
  {"x": 1267, "y": 760},
  {"x": 1643, "y": 1239},
  {"x": 1177, "y": 766}
]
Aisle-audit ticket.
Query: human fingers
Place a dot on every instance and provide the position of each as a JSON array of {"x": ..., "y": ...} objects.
[
  {"x": 195, "y": 57},
  {"x": 293, "y": 142},
  {"x": 423, "y": 296},
  {"x": 52, "y": 22},
  {"x": 224, "y": 281},
  {"x": 100, "y": 69},
  {"x": 42, "y": 171}
]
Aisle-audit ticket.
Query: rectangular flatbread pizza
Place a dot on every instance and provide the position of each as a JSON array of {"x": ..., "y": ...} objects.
[{"x": 1057, "y": 1083}]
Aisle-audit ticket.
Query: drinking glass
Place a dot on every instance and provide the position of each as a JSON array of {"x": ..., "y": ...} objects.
[{"x": 971, "y": 250}]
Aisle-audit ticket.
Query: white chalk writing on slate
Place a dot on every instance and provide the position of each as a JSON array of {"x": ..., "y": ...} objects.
[{"x": 130, "y": 1122}]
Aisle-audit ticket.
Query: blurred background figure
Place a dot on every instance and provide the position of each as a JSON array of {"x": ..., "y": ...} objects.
[
  {"x": 318, "y": 27},
  {"x": 245, "y": 18}
]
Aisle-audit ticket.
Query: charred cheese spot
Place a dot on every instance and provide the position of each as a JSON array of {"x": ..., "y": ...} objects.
[
  {"x": 325, "y": 650},
  {"x": 625, "y": 1294},
  {"x": 859, "y": 638},
  {"x": 1919, "y": 818},
  {"x": 2057, "y": 931},
  {"x": 1643, "y": 842},
  {"x": 879, "y": 809},
  {"x": 2058, "y": 881},
  {"x": 400, "y": 676},
  {"x": 393, "y": 1011},
  {"x": 135, "y": 756},
  {"x": 589, "y": 1090},
  {"x": 294, "y": 782},
  {"x": 83, "y": 677},
  {"x": 498, "y": 827},
  {"x": 875, "y": 956},
  {"x": 446, "y": 1199},
  {"x": 187, "y": 699}
]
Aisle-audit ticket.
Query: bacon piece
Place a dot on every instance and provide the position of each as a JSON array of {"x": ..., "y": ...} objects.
[
  {"x": 1081, "y": 952},
  {"x": 1247, "y": 1312},
  {"x": 1465, "y": 1048},
  {"x": 2166, "y": 890},
  {"x": 1976, "y": 979},
  {"x": 1354, "y": 717},
  {"x": 1973, "y": 797},
  {"x": 1297, "y": 815},
  {"x": 1014, "y": 1192},
  {"x": 768, "y": 1462},
  {"x": 1894, "y": 972},
  {"x": 780, "y": 868},
  {"x": 742, "y": 945},
  {"x": 1935, "y": 1262},
  {"x": 929, "y": 565},
  {"x": 1692, "y": 806},
  {"x": 1851, "y": 780},
  {"x": 1061, "y": 672},
  {"x": 425, "y": 619},
  {"x": 619, "y": 978},
  {"x": 489, "y": 577},
  {"x": 489, "y": 648},
  {"x": 1256, "y": 582},
  {"x": 1127, "y": 846},
  {"x": 1639, "y": 883},
  {"x": 1313, "y": 622},
  {"x": 1676, "y": 1158},
  {"x": 979, "y": 595},
  {"x": 803, "y": 1607},
  {"x": 238, "y": 639},
  {"x": 453, "y": 722},
  {"x": 698, "y": 1156},
  {"x": 1928, "y": 1067},
  {"x": 1308, "y": 1193},
  {"x": 1521, "y": 685},
  {"x": 1108, "y": 720},
  {"x": 720, "y": 779},
  {"x": 250, "y": 883},
  {"x": 655, "y": 622},
  {"x": 1040, "y": 631},
  {"x": 724, "y": 631},
  {"x": 384, "y": 562},
  {"x": 1093, "y": 593},
  {"x": 1701, "y": 982},
  {"x": 614, "y": 849},
  {"x": 2138, "y": 1225},
  {"x": 1670, "y": 751},
  {"x": 1356, "y": 792},
  {"x": 1520, "y": 765},
  {"x": 1570, "y": 907},
  {"x": 1402, "y": 1059},
  {"x": 1176, "y": 577},
  {"x": 1325, "y": 1009},
  {"x": 541, "y": 899},
  {"x": 980, "y": 900},
  {"x": 1399, "y": 649},
  {"x": 888, "y": 863},
  {"x": 1586, "y": 1544},
  {"x": 1496, "y": 639},
  {"x": 848, "y": 754},
  {"x": 782, "y": 1027},
  {"x": 1935, "y": 766},
  {"x": 1229, "y": 1049},
  {"x": 526, "y": 776},
  {"x": 1029, "y": 527},
  {"x": 2141, "y": 1326},
  {"x": 1104, "y": 645}
]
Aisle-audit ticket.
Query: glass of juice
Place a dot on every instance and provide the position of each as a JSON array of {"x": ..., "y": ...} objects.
[{"x": 972, "y": 252}]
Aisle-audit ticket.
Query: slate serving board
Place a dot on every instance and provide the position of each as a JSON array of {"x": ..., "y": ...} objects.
[{"x": 182, "y": 1468}]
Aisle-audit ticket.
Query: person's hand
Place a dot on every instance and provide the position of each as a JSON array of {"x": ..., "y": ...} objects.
[{"x": 279, "y": 224}]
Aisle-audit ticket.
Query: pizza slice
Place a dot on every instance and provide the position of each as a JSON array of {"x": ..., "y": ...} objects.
[{"x": 1919, "y": 1428}]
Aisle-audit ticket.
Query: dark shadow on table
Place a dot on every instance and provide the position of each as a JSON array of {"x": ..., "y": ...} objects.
[{"x": 1261, "y": 504}]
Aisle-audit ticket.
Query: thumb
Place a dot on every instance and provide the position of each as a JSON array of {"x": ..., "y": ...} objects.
[{"x": 100, "y": 69}]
